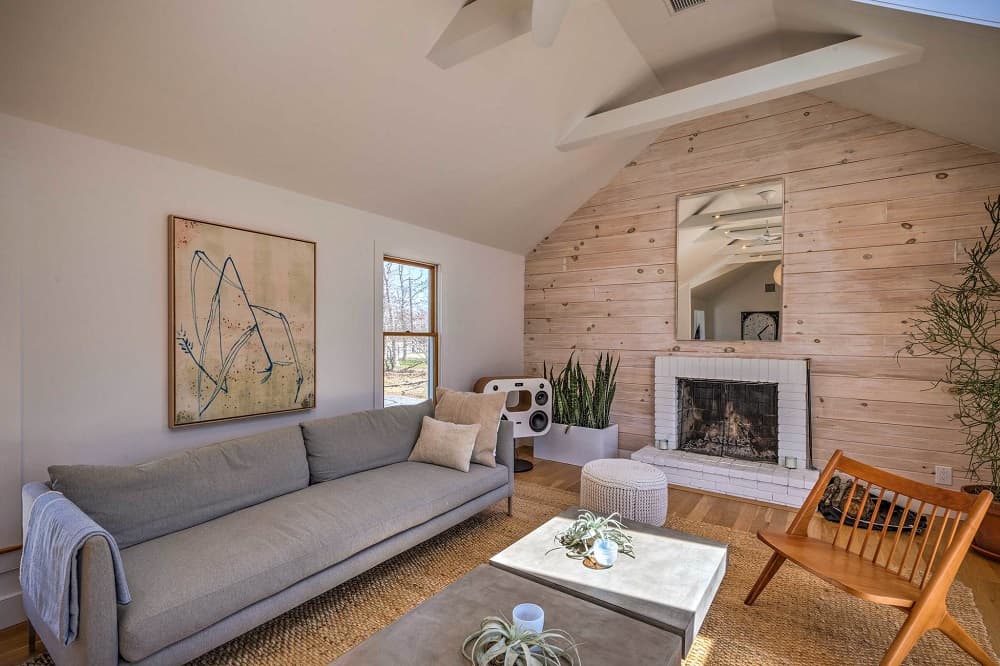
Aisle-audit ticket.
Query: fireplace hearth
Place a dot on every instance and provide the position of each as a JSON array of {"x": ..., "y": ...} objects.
[
  {"x": 732, "y": 419},
  {"x": 750, "y": 415}
]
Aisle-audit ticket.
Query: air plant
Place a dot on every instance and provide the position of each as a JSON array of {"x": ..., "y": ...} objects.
[
  {"x": 579, "y": 538},
  {"x": 577, "y": 401},
  {"x": 502, "y": 643}
]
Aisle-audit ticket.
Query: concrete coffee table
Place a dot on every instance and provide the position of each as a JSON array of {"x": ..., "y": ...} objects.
[
  {"x": 433, "y": 632},
  {"x": 670, "y": 584}
]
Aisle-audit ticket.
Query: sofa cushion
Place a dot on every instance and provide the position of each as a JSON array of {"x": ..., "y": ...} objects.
[
  {"x": 136, "y": 503},
  {"x": 189, "y": 580},
  {"x": 468, "y": 408},
  {"x": 356, "y": 442},
  {"x": 445, "y": 444}
]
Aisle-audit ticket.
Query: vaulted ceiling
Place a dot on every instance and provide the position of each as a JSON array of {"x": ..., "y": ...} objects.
[
  {"x": 339, "y": 100},
  {"x": 950, "y": 91}
]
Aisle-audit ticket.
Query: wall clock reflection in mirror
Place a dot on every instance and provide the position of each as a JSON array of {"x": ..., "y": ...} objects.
[{"x": 759, "y": 325}]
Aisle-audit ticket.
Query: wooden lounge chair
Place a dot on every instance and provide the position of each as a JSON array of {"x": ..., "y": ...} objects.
[{"x": 886, "y": 561}]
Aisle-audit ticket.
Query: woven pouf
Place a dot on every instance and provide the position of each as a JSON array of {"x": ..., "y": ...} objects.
[{"x": 632, "y": 489}]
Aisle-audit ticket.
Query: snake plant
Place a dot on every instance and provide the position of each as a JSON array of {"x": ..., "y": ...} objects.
[
  {"x": 578, "y": 539},
  {"x": 578, "y": 401},
  {"x": 502, "y": 643}
]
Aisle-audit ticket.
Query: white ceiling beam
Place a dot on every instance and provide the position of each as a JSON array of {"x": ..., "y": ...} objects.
[
  {"x": 851, "y": 59},
  {"x": 751, "y": 250},
  {"x": 740, "y": 260}
]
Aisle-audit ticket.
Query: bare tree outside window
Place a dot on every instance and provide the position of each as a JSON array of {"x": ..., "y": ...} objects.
[{"x": 409, "y": 333}]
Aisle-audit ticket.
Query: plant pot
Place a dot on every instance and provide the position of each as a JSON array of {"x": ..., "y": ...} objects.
[
  {"x": 578, "y": 445},
  {"x": 987, "y": 539}
]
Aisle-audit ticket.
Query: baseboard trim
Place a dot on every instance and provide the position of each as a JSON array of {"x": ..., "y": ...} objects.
[
  {"x": 734, "y": 498},
  {"x": 11, "y": 611}
]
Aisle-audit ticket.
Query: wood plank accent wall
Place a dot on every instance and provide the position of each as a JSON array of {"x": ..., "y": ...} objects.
[{"x": 874, "y": 211}]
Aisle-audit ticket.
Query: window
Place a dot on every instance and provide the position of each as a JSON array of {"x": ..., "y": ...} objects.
[
  {"x": 409, "y": 331},
  {"x": 970, "y": 11}
]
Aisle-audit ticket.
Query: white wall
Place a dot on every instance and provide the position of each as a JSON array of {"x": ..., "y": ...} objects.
[
  {"x": 83, "y": 315},
  {"x": 723, "y": 307},
  {"x": 10, "y": 402}
]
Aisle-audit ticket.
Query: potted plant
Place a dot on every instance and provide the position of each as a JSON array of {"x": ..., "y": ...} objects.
[
  {"x": 961, "y": 323},
  {"x": 581, "y": 414},
  {"x": 592, "y": 536},
  {"x": 502, "y": 643}
]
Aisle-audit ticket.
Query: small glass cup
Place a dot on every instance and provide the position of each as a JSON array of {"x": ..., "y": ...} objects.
[
  {"x": 530, "y": 617},
  {"x": 605, "y": 552}
]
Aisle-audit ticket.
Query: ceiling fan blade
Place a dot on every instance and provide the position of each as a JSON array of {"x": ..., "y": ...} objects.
[
  {"x": 743, "y": 235},
  {"x": 710, "y": 234},
  {"x": 546, "y": 17},
  {"x": 751, "y": 234},
  {"x": 762, "y": 242}
]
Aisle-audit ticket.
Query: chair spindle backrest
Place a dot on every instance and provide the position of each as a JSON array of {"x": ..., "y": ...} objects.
[{"x": 876, "y": 522}]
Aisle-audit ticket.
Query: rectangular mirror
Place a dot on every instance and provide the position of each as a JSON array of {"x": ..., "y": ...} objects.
[{"x": 729, "y": 263}]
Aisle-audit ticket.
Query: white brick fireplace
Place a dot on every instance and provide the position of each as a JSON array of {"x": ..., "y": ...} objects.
[{"x": 788, "y": 482}]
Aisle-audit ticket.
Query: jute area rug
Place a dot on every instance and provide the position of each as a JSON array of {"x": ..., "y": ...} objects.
[{"x": 798, "y": 620}]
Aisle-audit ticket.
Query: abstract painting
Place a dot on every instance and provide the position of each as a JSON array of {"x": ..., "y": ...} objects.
[{"x": 242, "y": 322}]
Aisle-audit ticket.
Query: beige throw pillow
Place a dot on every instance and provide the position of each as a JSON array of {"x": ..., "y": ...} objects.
[
  {"x": 468, "y": 408},
  {"x": 445, "y": 444}
]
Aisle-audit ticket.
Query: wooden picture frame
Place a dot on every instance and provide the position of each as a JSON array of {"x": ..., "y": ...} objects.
[{"x": 242, "y": 313}]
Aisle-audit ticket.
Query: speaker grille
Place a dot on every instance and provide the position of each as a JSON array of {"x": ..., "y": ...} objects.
[{"x": 539, "y": 421}]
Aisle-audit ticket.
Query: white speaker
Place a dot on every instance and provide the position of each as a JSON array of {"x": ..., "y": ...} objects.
[{"x": 529, "y": 402}]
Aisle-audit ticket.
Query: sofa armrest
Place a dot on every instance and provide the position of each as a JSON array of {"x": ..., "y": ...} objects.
[
  {"x": 97, "y": 642},
  {"x": 505, "y": 450},
  {"x": 29, "y": 493}
]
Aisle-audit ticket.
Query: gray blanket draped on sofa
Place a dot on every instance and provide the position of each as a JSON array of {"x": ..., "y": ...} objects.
[{"x": 57, "y": 531}]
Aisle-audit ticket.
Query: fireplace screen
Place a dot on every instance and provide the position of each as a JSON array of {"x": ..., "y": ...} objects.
[{"x": 725, "y": 418}]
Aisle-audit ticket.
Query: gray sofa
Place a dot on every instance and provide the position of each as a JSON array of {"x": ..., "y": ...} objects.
[{"x": 220, "y": 539}]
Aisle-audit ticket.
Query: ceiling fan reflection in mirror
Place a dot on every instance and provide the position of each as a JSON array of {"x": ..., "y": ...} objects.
[
  {"x": 765, "y": 235},
  {"x": 758, "y": 235}
]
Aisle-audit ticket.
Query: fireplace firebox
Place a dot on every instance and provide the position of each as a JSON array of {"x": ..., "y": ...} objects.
[{"x": 734, "y": 419}]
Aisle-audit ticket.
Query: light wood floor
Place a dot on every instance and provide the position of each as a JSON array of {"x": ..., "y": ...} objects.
[
  {"x": 14, "y": 645},
  {"x": 982, "y": 575}
]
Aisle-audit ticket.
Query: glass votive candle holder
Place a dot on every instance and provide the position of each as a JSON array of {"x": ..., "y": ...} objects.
[
  {"x": 605, "y": 552},
  {"x": 530, "y": 617}
]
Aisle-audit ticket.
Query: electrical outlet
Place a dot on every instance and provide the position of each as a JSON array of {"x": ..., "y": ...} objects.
[{"x": 942, "y": 475}]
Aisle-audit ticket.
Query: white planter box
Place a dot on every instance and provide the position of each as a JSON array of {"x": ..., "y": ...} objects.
[{"x": 578, "y": 446}]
